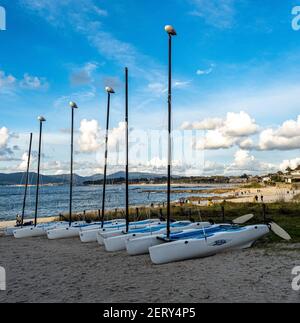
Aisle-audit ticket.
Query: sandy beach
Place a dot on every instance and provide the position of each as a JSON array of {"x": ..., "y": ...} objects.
[{"x": 39, "y": 270}]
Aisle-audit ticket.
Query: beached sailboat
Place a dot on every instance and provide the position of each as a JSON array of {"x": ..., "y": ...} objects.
[
  {"x": 70, "y": 230},
  {"x": 35, "y": 230},
  {"x": 118, "y": 242},
  {"x": 10, "y": 231},
  {"x": 185, "y": 247},
  {"x": 140, "y": 245},
  {"x": 94, "y": 235}
]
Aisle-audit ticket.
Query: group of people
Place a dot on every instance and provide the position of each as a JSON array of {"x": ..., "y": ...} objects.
[{"x": 256, "y": 199}]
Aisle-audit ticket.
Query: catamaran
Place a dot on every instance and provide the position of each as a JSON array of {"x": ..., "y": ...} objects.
[
  {"x": 118, "y": 243},
  {"x": 140, "y": 245},
  {"x": 35, "y": 230},
  {"x": 204, "y": 244}
]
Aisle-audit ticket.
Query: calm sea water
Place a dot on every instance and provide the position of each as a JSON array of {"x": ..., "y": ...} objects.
[{"x": 55, "y": 199}]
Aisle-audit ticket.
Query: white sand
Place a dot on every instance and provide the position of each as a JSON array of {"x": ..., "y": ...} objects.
[{"x": 39, "y": 270}]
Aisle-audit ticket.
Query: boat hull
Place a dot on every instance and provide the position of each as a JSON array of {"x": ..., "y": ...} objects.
[
  {"x": 118, "y": 243},
  {"x": 140, "y": 246},
  {"x": 200, "y": 248},
  {"x": 113, "y": 232},
  {"x": 63, "y": 233},
  {"x": 29, "y": 232}
]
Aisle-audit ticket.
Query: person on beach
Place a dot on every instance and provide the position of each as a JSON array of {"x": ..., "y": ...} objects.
[
  {"x": 262, "y": 199},
  {"x": 18, "y": 220}
]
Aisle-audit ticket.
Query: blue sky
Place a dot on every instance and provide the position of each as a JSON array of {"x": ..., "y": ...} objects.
[{"x": 236, "y": 82}]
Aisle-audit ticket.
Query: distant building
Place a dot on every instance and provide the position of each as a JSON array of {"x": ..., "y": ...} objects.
[
  {"x": 267, "y": 179},
  {"x": 293, "y": 177},
  {"x": 238, "y": 181}
]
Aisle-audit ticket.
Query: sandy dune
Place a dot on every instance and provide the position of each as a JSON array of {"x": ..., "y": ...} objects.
[{"x": 67, "y": 271}]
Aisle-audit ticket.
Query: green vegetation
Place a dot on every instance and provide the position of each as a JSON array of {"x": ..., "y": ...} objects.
[{"x": 253, "y": 185}]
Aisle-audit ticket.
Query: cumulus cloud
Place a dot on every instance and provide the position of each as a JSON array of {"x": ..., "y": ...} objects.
[
  {"x": 286, "y": 137},
  {"x": 292, "y": 163},
  {"x": 245, "y": 162},
  {"x": 24, "y": 160},
  {"x": 239, "y": 125},
  {"x": 234, "y": 125},
  {"x": 7, "y": 83},
  {"x": 213, "y": 140},
  {"x": 6, "y": 153},
  {"x": 4, "y": 136},
  {"x": 89, "y": 140},
  {"x": 33, "y": 82},
  {"x": 224, "y": 133}
]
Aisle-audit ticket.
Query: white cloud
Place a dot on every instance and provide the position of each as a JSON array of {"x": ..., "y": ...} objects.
[
  {"x": 4, "y": 136},
  {"x": 290, "y": 128},
  {"x": 7, "y": 83},
  {"x": 217, "y": 13},
  {"x": 247, "y": 143},
  {"x": 292, "y": 163},
  {"x": 206, "y": 71},
  {"x": 23, "y": 165},
  {"x": 285, "y": 137},
  {"x": 224, "y": 133},
  {"x": 6, "y": 153},
  {"x": 213, "y": 140},
  {"x": 206, "y": 124},
  {"x": 33, "y": 82},
  {"x": 89, "y": 140},
  {"x": 116, "y": 139},
  {"x": 239, "y": 125},
  {"x": 234, "y": 125},
  {"x": 244, "y": 162}
]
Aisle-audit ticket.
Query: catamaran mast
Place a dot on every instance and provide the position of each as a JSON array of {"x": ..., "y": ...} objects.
[
  {"x": 109, "y": 91},
  {"x": 127, "y": 150},
  {"x": 27, "y": 180},
  {"x": 171, "y": 32},
  {"x": 73, "y": 106},
  {"x": 41, "y": 120}
]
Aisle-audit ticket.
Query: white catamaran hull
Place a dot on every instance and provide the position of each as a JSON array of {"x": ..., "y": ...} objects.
[
  {"x": 112, "y": 232},
  {"x": 63, "y": 233},
  {"x": 118, "y": 243},
  {"x": 90, "y": 235},
  {"x": 10, "y": 231},
  {"x": 29, "y": 232},
  {"x": 140, "y": 245},
  {"x": 200, "y": 248}
]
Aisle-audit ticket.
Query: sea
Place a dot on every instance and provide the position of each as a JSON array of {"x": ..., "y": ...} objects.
[{"x": 54, "y": 200}]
